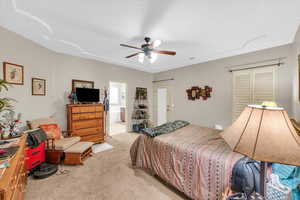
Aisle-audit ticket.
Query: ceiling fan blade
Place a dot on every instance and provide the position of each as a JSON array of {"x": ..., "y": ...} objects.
[
  {"x": 125, "y": 45},
  {"x": 171, "y": 53},
  {"x": 132, "y": 55}
]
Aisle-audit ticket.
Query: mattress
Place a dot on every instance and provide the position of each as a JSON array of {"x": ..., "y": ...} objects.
[{"x": 195, "y": 160}]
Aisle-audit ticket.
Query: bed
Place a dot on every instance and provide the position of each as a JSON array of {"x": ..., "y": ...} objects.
[{"x": 193, "y": 159}]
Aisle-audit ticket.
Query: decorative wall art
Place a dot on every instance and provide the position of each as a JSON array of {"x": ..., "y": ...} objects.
[
  {"x": 196, "y": 92},
  {"x": 82, "y": 84},
  {"x": 38, "y": 86},
  {"x": 141, "y": 93},
  {"x": 13, "y": 73}
]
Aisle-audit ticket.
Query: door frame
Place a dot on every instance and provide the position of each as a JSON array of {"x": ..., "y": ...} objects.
[
  {"x": 126, "y": 106},
  {"x": 169, "y": 103}
]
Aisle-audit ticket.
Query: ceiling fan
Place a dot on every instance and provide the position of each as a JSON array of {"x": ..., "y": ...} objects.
[{"x": 148, "y": 50}]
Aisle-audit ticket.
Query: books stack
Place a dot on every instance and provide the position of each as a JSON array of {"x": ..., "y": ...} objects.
[{"x": 7, "y": 153}]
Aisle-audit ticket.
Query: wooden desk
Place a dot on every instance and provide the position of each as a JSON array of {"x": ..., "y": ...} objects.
[{"x": 14, "y": 178}]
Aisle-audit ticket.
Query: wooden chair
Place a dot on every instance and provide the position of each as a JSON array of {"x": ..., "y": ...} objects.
[{"x": 54, "y": 148}]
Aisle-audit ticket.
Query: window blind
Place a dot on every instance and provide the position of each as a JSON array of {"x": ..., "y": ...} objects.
[{"x": 252, "y": 86}]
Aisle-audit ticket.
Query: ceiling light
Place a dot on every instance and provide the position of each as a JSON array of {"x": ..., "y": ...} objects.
[
  {"x": 141, "y": 57},
  {"x": 153, "y": 57},
  {"x": 156, "y": 43}
]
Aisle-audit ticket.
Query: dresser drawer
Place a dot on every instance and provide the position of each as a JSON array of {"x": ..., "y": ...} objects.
[
  {"x": 93, "y": 138},
  {"x": 87, "y": 109},
  {"x": 87, "y": 131},
  {"x": 15, "y": 174},
  {"x": 99, "y": 108},
  {"x": 87, "y": 124},
  {"x": 19, "y": 188},
  {"x": 83, "y": 109},
  {"x": 83, "y": 116},
  {"x": 35, "y": 160},
  {"x": 14, "y": 190},
  {"x": 38, "y": 150}
]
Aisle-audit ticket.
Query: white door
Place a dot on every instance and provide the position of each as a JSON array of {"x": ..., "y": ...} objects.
[{"x": 161, "y": 106}]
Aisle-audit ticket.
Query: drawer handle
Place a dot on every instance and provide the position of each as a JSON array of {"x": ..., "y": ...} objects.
[
  {"x": 36, "y": 162},
  {"x": 36, "y": 152}
]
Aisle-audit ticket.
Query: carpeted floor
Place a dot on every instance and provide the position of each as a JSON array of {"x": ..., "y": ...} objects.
[
  {"x": 117, "y": 128},
  {"x": 105, "y": 176}
]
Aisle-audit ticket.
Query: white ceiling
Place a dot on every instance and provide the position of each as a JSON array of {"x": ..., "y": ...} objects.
[{"x": 203, "y": 29}]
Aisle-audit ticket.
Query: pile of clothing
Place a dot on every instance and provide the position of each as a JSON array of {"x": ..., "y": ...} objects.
[
  {"x": 289, "y": 176},
  {"x": 36, "y": 137},
  {"x": 283, "y": 181}
]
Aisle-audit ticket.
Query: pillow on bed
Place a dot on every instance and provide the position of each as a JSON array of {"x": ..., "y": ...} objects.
[{"x": 165, "y": 128}]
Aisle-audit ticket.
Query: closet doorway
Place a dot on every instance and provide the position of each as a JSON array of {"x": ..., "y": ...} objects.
[
  {"x": 162, "y": 103},
  {"x": 117, "y": 108},
  {"x": 161, "y": 106}
]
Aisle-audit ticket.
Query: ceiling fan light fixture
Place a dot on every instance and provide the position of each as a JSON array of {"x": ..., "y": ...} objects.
[
  {"x": 153, "y": 57},
  {"x": 141, "y": 57},
  {"x": 148, "y": 50},
  {"x": 156, "y": 43}
]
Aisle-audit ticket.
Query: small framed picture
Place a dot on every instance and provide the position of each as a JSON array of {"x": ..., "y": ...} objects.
[
  {"x": 13, "y": 73},
  {"x": 38, "y": 87},
  {"x": 82, "y": 84}
]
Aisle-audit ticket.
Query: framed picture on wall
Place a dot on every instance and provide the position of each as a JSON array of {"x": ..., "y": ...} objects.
[
  {"x": 141, "y": 93},
  {"x": 82, "y": 84},
  {"x": 38, "y": 87},
  {"x": 13, "y": 73}
]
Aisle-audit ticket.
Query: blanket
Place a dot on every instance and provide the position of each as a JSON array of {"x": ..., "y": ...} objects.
[
  {"x": 193, "y": 159},
  {"x": 289, "y": 176}
]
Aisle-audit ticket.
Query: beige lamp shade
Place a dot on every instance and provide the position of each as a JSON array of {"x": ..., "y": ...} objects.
[{"x": 264, "y": 134}]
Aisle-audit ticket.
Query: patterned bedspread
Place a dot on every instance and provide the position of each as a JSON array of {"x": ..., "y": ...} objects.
[{"x": 195, "y": 160}]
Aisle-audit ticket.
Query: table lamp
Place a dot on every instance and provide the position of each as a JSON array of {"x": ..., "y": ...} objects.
[{"x": 264, "y": 133}]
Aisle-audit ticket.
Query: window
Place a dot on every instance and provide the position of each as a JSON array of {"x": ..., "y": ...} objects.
[{"x": 253, "y": 86}]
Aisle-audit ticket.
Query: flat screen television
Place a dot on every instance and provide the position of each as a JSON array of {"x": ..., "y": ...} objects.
[{"x": 87, "y": 95}]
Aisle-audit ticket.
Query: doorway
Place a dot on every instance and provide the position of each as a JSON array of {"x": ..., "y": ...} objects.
[
  {"x": 161, "y": 106},
  {"x": 117, "y": 108}
]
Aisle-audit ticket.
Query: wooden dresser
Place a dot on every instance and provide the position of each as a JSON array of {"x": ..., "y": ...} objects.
[
  {"x": 14, "y": 178},
  {"x": 86, "y": 121}
]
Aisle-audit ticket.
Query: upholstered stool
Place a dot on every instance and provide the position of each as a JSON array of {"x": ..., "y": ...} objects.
[
  {"x": 55, "y": 148},
  {"x": 77, "y": 153}
]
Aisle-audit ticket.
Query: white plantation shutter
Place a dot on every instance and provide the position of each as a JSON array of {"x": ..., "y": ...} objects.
[
  {"x": 252, "y": 86},
  {"x": 241, "y": 91},
  {"x": 264, "y": 85}
]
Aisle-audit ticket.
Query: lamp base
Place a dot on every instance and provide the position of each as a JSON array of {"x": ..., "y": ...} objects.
[{"x": 263, "y": 175}]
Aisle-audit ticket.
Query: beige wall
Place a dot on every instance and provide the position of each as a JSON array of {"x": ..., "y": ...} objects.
[
  {"x": 218, "y": 109},
  {"x": 59, "y": 70},
  {"x": 294, "y": 62}
]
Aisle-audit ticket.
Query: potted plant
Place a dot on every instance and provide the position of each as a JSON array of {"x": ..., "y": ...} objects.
[{"x": 5, "y": 106}]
